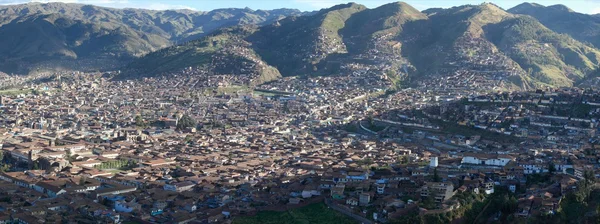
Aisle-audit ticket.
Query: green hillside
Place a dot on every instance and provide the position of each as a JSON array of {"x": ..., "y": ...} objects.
[
  {"x": 561, "y": 19},
  {"x": 480, "y": 38},
  {"x": 35, "y": 33}
]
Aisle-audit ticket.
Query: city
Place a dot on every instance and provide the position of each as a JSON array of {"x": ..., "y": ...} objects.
[{"x": 475, "y": 142}]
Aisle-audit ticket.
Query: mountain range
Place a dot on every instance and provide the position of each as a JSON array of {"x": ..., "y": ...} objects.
[
  {"x": 477, "y": 37},
  {"x": 526, "y": 46},
  {"x": 37, "y": 33}
]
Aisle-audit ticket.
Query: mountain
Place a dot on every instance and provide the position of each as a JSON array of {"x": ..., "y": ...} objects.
[
  {"x": 37, "y": 33},
  {"x": 298, "y": 45},
  {"x": 524, "y": 49},
  {"x": 394, "y": 39},
  {"x": 551, "y": 58},
  {"x": 561, "y": 19}
]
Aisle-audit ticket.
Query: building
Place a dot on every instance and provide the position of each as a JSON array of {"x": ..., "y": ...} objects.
[
  {"x": 440, "y": 191},
  {"x": 433, "y": 162},
  {"x": 179, "y": 187},
  {"x": 364, "y": 199},
  {"x": 486, "y": 160}
]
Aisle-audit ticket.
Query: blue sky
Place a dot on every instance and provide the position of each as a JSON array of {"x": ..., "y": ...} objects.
[{"x": 583, "y": 6}]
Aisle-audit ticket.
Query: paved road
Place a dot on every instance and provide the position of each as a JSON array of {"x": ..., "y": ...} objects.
[{"x": 358, "y": 218}]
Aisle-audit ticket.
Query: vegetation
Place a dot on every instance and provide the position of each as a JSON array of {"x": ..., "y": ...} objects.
[
  {"x": 315, "y": 213},
  {"x": 473, "y": 206},
  {"x": 139, "y": 122},
  {"x": 58, "y": 31},
  {"x": 579, "y": 206},
  {"x": 559, "y": 18},
  {"x": 322, "y": 41},
  {"x": 550, "y": 58},
  {"x": 115, "y": 164},
  {"x": 14, "y": 92},
  {"x": 186, "y": 122}
]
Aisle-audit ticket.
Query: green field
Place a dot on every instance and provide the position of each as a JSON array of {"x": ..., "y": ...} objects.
[
  {"x": 14, "y": 92},
  {"x": 313, "y": 214}
]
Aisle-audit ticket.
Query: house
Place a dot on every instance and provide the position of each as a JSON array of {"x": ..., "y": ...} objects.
[
  {"x": 295, "y": 201},
  {"x": 49, "y": 188},
  {"x": 486, "y": 159},
  {"x": 127, "y": 207},
  {"x": 180, "y": 186},
  {"x": 440, "y": 191},
  {"x": 380, "y": 188},
  {"x": 337, "y": 192},
  {"x": 326, "y": 184},
  {"x": 310, "y": 191},
  {"x": 365, "y": 198},
  {"x": 352, "y": 201}
]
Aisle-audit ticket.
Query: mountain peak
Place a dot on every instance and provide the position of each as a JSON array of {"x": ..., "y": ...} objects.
[
  {"x": 561, "y": 7},
  {"x": 525, "y": 7},
  {"x": 344, "y": 6},
  {"x": 528, "y": 5},
  {"x": 398, "y": 8}
]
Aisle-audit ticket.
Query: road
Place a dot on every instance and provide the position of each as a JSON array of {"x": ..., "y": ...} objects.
[{"x": 358, "y": 218}]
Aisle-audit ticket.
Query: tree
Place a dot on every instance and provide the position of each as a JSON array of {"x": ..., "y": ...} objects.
[
  {"x": 68, "y": 155},
  {"x": 82, "y": 180},
  {"x": 428, "y": 203},
  {"x": 436, "y": 176},
  {"x": 186, "y": 122},
  {"x": 5, "y": 168},
  {"x": 551, "y": 168},
  {"x": 139, "y": 121},
  {"x": 188, "y": 138},
  {"x": 589, "y": 177}
]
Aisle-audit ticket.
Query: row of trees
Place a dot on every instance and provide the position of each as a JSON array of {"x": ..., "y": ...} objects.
[
  {"x": 116, "y": 164},
  {"x": 184, "y": 122}
]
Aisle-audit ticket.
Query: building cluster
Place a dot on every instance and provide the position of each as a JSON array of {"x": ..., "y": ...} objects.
[{"x": 199, "y": 147}]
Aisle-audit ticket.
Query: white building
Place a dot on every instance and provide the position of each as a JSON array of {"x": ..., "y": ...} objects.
[
  {"x": 433, "y": 162},
  {"x": 486, "y": 159}
]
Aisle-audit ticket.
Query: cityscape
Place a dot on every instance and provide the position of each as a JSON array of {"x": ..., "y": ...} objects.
[{"x": 272, "y": 120}]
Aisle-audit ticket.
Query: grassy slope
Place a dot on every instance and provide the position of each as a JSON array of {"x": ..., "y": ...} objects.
[
  {"x": 304, "y": 45},
  {"x": 582, "y": 27},
  {"x": 193, "y": 53},
  {"x": 387, "y": 19},
  {"x": 544, "y": 56},
  {"x": 550, "y": 58},
  {"x": 40, "y": 32}
]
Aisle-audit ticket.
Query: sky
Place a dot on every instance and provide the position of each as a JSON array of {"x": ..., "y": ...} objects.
[{"x": 583, "y": 6}]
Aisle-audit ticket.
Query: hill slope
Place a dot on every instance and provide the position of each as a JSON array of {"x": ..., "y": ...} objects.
[
  {"x": 560, "y": 19},
  {"x": 298, "y": 45},
  {"x": 399, "y": 41},
  {"x": 75, "y": 31}
]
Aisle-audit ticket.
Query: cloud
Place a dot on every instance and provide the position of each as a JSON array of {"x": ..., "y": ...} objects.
[{"x": 162, "y": 6}]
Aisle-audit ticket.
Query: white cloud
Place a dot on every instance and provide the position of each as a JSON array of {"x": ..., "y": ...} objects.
[{"x": 162, "y": 6}]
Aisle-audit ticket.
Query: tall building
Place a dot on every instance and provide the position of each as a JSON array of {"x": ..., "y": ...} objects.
[
  {"x": 440, "y": 191},
  {"x": 433, "y": 162}
]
